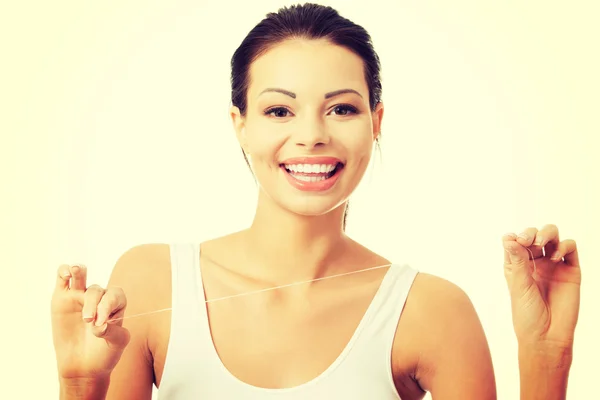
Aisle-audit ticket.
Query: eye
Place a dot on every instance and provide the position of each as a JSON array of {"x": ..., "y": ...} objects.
[
  {"x": 277, "y": 112},
  {"x": 344, "y": 109}
]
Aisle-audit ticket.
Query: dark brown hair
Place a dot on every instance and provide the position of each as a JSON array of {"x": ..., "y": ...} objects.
[{"x": 307, "y": 21}]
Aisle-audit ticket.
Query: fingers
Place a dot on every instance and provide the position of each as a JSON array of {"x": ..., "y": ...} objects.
[
  {"x": 91, "y": 299},
  {"x": 517, "y": 269},
  {"x": 548, "y": 238},
  {"x": 508, "y": 236},
  {"x": 63, "y": 277},
  {"x": 75, "y": 275},
  {"x": 516, "y": 253},
  {"x": 113, "y": 302},
  {"x": 519, "y": 272},
  {"x": 546, "y": 234},
  {"x": 567, "y": 249},
  {"x": 100, "y": 305},
  {"x": 78, "y": 277},
  {"x": 116, "y": 336},
  {"x": 541, "y": 243},
  {"x": 527, "y": 238}
]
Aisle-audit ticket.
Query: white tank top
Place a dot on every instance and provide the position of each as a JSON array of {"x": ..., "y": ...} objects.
[{"x": 193, "y": 369}]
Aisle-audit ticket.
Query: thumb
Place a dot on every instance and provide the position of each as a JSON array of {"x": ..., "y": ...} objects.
[
  {"x": 116, "y": 336},
  {"x": 517, "y": 269}
]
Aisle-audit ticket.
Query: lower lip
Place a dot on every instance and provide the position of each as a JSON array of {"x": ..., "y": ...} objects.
[{"x": 318, "y": 186}]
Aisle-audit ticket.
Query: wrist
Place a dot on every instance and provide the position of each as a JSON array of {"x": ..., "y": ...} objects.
[
  {"x": 546, "y": 356},
  {"x": 544, "y": 371},
  {"x": 84, "y": 388}
]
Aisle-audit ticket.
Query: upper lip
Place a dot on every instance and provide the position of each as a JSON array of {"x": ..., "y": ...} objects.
[{"x": 312, "y": 160}]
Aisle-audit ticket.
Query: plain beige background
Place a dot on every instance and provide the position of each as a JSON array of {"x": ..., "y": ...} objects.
[{"x": 115, "y": 132}]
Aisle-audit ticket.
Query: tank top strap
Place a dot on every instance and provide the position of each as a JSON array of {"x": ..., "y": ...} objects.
[
  {"x": 189, "y": 338},
  {"x": 187, "y": 290},
  {"x": 379, "y": 330}
]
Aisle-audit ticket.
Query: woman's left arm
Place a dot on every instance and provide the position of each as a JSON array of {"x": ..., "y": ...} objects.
[
  {"x": 545, "y": 296},
  {"x": 455, "y": 361}
]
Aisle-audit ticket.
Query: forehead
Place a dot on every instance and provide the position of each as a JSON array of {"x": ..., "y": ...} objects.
[{"x": 307, "y": 66}]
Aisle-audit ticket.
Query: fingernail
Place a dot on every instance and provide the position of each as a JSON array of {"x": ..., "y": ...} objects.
[
  {"x": 98, "y": 323},
  {"x": 75, "y": 269},
  {"x": 523, "y": 236},
  {"x": 88, "y": 318},
  {"x": 539, "y": 241},
  {"x": 103, "y": 329},
  {"x": 512, "y": 235},
  {"x": 66, "y": 274},
  {"x": 555, "y": 256}
]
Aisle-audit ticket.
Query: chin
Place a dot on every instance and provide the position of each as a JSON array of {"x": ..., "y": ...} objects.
[{"x": 311, "y": 208}]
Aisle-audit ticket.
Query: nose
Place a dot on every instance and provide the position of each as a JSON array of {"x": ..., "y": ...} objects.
[{"x": 311, "y": 134}]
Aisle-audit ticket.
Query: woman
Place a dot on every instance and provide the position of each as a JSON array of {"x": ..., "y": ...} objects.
[{"x": 307, "y": 111}]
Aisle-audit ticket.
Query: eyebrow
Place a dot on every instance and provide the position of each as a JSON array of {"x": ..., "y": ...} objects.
[{"x": 327, "y": 95}]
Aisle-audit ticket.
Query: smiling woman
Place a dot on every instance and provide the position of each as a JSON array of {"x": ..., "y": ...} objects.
[
  {"x": 310, "y": 96},
  {"x": 307, "y": 111}
]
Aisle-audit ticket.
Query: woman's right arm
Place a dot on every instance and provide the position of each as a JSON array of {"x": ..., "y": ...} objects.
[
  {"x": 109, "y": 365},
  {"x": 133, "y": 376}
]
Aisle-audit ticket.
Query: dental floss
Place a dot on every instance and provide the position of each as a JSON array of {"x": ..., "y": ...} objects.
[
  {"x": 258, "y": 291},
  {"x": 278, "y": 287}
]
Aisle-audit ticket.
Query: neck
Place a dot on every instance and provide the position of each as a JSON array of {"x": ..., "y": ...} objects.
[{"x": 288, "y": 246}]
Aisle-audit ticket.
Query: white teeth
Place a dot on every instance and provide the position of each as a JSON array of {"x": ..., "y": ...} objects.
[
  {"x": 311, "y": 168},
  {"x": 306, "y": 178}
]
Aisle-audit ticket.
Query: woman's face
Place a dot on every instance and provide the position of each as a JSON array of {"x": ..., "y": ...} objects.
[{"x": 308, "y": 128}]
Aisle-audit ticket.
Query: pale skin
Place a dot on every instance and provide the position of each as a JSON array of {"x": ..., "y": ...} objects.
[{"x": 296, "y": 236}]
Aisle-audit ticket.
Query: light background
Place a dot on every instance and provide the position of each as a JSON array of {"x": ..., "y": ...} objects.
[{"x": 115, "y": 132}]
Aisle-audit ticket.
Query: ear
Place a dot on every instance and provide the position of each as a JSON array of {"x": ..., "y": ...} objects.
[
  {"x": 377, "y": 116},
  {"x": 239, "y": 125}
]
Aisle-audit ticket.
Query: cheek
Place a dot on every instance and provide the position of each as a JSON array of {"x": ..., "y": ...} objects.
[
  {"x": 358, "y": 141},
  {"x": 264, "y": 141}
]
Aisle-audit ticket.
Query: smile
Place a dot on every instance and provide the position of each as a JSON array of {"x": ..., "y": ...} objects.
[
  {"x": 312, "y": 172},
  {"x": 313, "y": 176}
]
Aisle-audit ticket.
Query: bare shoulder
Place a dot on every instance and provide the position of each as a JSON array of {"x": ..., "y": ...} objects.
[
  {"x": 440, "y": 331},
  {"x": 142, "y": 258},
  {"x": 142, "y": 264},
  {"x": 439, "y": 296},
  {"x": 144, "y": 274}
]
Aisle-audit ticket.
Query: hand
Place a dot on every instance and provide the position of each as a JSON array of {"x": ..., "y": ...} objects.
[
  {"x": 88, "y": 345},
  {"x": 545, "y": 299}
]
